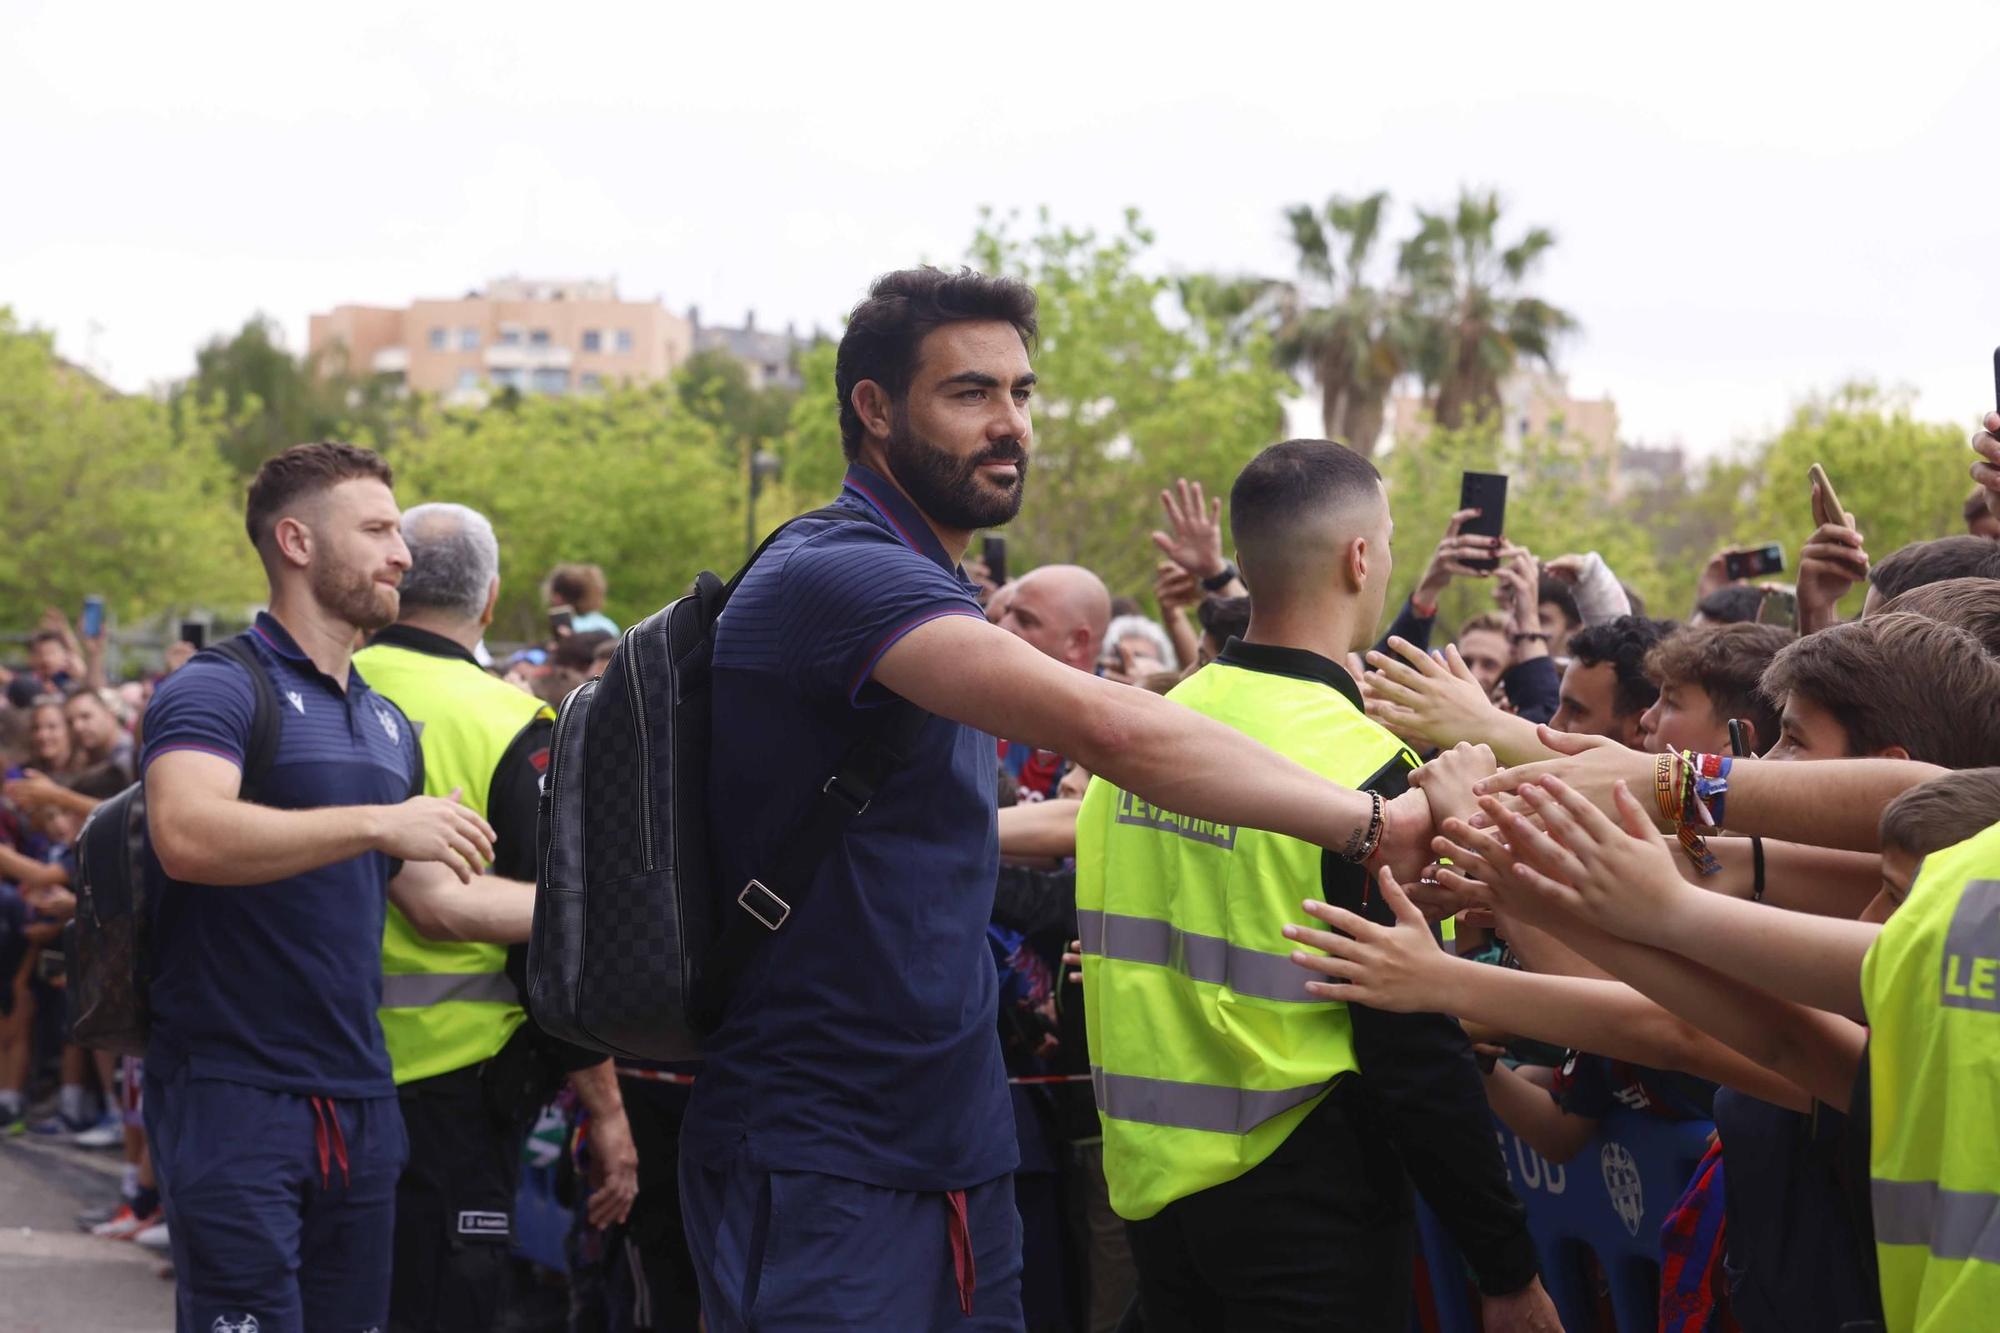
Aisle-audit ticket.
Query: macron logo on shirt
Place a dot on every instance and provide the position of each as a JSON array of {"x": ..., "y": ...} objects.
[{"x": 298, "y": 701}]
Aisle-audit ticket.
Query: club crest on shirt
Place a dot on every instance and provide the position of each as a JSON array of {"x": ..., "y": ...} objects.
[{"x": 1622, "y": 1183}]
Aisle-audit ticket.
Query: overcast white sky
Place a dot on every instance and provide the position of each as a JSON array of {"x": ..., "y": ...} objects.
[{"x": 1754, "y": 201}]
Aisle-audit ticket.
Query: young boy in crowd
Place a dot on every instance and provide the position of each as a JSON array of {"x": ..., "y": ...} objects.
[{"x": 1708, "y": 676}]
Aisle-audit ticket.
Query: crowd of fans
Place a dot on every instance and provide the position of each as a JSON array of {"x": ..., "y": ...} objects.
[{"x": 1617, "y": 943}]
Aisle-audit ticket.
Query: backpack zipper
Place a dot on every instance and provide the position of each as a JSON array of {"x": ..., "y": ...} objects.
[
  {"x": 564, "y": 715},
  {"x": 635, "y": 691}
]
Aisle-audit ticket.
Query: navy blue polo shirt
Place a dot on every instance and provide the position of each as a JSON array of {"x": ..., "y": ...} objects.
[
  {"x": 276, "y": 985},
  {"x": 860, "y": 1042}
]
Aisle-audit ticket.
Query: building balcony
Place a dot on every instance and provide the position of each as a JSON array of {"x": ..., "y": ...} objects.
[
  {"x": 523, "y": 356},
  {"x": 391, "y": 361}
]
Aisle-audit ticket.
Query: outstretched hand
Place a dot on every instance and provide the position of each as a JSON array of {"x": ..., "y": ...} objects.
[
  {"x": 1448, "y": 779},
  {"x": 1193, "y": 537},
  {"x": 1618, "y": 876},
  {"x": 1407, "y": 825},
  {"x": 1399, "y": 968},
  {"x": 1415, "y": 694},
  {"x": 1590, "y": 764}
]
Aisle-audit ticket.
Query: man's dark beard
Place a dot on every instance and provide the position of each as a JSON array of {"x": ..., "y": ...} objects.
[
  {"x": 355, "y": 597},
  {"x": 947, "y": 488}
]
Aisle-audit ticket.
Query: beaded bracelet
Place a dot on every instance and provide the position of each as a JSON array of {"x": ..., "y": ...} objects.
[
  {"x": 1361, "y": 846},
  {"x": 1674, "y": 788}
]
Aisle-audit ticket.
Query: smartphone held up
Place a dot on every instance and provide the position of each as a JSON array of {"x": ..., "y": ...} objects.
[
  {"x": 1755, "y": 562},
  {"x": 1486, "y": 492}
]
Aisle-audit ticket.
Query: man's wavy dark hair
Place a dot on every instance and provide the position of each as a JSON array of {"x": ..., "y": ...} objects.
[
  {"x": 1624, "y": 643},
  {"x": 885, "y": 332}
]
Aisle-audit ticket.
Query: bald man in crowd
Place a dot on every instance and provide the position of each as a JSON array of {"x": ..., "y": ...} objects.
[{"x": 1064, "y": 610}]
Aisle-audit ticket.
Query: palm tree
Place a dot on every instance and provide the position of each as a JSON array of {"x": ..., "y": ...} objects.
[
  {"x": 1334, "y": 322},
  {"x": 1468, "y": 320}
]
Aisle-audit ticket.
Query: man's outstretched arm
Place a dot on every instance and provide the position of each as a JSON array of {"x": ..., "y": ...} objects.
[{"x": 984, "y": 677}]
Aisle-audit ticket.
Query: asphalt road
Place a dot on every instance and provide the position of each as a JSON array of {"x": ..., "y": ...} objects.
[{"x": 56, "y": 1279}]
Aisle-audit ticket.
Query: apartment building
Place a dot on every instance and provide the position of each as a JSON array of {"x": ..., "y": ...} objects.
[
  {"x": 534, "y": 336},
  {"x": 1532, "y": 402}
]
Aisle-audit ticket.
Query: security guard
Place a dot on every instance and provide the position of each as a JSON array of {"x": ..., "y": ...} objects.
[
  {"x": 469, "y": 1069},
  {"x": 1259, "y": 1142},
  {"x": 1931, "y": 984}
]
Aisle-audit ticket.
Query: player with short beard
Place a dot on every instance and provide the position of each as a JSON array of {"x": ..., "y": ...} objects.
[
  {"x": 269, "y": 1102},
  {"x": 847, "y": 1154}
]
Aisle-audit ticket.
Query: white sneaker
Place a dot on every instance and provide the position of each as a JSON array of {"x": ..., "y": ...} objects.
[
  {"x": 153, "y": 1237},
  {"x": 125, "y": 1224},
  {"x": 106, "y": 1133}
]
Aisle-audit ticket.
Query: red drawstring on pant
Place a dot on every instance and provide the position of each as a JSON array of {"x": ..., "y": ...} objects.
[
  {"x": 330, "y": 1140},
  {"x": 961, "y": 1250}
]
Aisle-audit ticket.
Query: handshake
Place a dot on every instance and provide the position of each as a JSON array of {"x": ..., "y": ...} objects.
[{"x": 1441, "y": 790}]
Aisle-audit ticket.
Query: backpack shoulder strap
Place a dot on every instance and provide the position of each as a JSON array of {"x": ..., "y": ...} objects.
[
  {"x": 764, "y": 904},
  {"x": 263, "y": 749},
  {"x": 824, "y": 511}
]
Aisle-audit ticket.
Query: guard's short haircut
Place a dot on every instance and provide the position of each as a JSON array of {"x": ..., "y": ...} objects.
[
  {"x": 885, "y": 333},
  {"x": 302, "y": 473},
  {"x": 1224, "y": 618},
  {"x": 1284, "y": 490},
  {"x": 1971, "y": 604},
  {"x": 1734, "y": 604},
  {"x": 454, "y": 558},
  {"x": 1961, "y": 557},
  {"x": 1555, "y": 590},
  {"x": 1943, "y": 812},
  {"x": 1728, "y": 663},
  {"x": 1623, "y": 642},
  {"x": 1899, "y": 680}
]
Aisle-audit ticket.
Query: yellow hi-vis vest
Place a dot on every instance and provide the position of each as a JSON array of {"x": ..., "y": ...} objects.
[
  {"x": 1206, "y": 1052},
  {"x": 1931, "y": 983},
  {"x": 447, "y": 1004}
]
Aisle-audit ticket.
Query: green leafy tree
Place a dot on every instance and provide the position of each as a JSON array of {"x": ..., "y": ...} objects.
[
  {"x": 1337, "y": 321},
  {"x": 269, "y": 399},
  {"x": 1558, "y": 503},
  {"x": 104, "y": 496},
  {"x": 1904, "y": 480},
  {"x": 630, "y": 480},
  {"x": 1130, "y": 395},
  {"x": 1468, "y": 321},
  {"x": 811, "y": 463},
  {"x": 716, "y": 387}
]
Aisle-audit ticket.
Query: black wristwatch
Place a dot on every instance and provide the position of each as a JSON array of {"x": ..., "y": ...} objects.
[{"x": 1221, "y": 578}]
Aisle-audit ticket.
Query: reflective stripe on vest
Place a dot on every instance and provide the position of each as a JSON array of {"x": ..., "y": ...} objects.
[
  {"x": 1931, "y": 987},
  {"x": 1204, "y": 1106},
  {"x": 1951, "y": 1224},
  {"x": 1135, "y": 939},
  {"x": 1205, "y": 1048},
  {"x": 447, "y": 1004},
  {"x": 418, "y": 990}
]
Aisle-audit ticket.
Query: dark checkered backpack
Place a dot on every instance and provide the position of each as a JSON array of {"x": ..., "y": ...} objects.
[
  {"x": 635, "y": 949},
  {"x": 107, "y": 948}
]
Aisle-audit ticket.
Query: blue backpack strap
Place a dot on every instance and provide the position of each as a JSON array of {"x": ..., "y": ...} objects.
[{"x": 262, "y": 752}]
